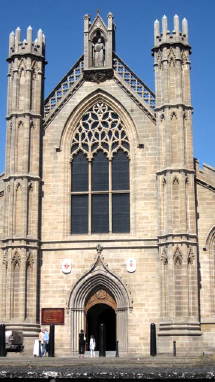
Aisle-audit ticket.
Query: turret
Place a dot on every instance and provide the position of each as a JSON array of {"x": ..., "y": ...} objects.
[
  {"x": 178, "y": 35},
  {"x": 25, "y": 77},
  {"x": 26, "y": 46},
  {"x": 23, "y": 178},
  {"x": 173, "y": 96},
  {"x": 175, "y": 176}
]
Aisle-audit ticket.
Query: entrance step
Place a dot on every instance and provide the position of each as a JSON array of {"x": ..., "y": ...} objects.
[{"x": 109, "y": 354}]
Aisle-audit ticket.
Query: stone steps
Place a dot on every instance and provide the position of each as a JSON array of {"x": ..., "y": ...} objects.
[
  {"x": 108, "y": 354},
  {"x": 110, "y": 359}
]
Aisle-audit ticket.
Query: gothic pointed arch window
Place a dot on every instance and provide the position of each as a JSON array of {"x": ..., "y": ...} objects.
[{"x": 100, "y": 191}]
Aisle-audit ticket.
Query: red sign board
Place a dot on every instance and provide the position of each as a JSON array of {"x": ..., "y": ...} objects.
[{"x": 52, "y": 316}]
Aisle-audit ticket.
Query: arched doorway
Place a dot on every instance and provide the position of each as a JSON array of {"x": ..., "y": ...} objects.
[
  {"x": 100, "y": 308},
  {"x": 99, "y": 286},
  {"x": 101, "y": 314}
]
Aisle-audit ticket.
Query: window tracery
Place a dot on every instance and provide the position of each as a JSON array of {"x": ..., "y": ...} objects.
[
  {"x": 100, "y": 128},
  {"x": 100, "y": 173}
]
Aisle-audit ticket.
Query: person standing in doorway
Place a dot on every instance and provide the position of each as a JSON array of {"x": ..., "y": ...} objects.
[
  {"x": 81, "y": 343},
  {"x": 92, "y": 346}
]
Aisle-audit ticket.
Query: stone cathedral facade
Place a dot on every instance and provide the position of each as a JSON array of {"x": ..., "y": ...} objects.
[{"x": 104, "y": 212}]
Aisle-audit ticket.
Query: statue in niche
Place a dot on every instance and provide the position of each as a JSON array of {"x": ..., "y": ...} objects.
[{"x": 98, "y": 53}]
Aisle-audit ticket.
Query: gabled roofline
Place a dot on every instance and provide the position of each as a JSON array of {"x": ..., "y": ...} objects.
[{"x": 122, "y": 74}]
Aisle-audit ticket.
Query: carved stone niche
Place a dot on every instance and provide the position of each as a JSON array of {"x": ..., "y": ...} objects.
[
  {"x": 98, "y": 75},
  {"x": 99, "y": 42},
  {"x": 100, "y": 296}
]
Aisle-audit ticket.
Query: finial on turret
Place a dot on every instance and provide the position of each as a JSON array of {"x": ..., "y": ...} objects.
[
  {"x": 86, "y": 22},
  {"x": 29, "y": 34},
  {"x": 27, "y": 45},
  {"x": 176, "y": 24},
  {"x": 156, "y": 30},
  {"x": 164, "y": 25},
  {"x": 178, "y": 35},
  {"x": 185, "y": 28},
  {"x": 17, "y": 38},
  {"x": 110, "y": 20},
  {"x": 11, "y": 42},
  {"x": 12, "y": 36},
  {"x": 40, "y": 37},
  {"x": 18, "y": 33}
]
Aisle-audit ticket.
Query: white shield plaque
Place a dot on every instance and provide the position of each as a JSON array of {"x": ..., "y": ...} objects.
[
  {"x": 131, "y": 265},
  {"x": 66, "y": 266}
]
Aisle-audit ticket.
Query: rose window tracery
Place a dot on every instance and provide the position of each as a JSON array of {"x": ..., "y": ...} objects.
[{"x": 100, "y": 128}]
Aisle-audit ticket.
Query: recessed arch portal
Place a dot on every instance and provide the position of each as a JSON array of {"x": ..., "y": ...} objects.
[
  {"x": 98, "y": 279},
  {"x": 101, "y": 314},
  {"x": 100, "y": 308}
]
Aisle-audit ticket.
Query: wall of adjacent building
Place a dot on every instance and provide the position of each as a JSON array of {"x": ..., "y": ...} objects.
[{"x": 206, "y": 226}]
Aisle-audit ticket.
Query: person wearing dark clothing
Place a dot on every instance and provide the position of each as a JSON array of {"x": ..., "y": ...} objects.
[{"x": 81, "y": 343}]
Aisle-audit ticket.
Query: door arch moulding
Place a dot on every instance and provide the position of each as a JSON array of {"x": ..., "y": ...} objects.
[{"x": 99, "y": 277}]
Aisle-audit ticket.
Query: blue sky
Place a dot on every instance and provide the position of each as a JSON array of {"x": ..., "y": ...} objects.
[{"x": 62, "y": 23}]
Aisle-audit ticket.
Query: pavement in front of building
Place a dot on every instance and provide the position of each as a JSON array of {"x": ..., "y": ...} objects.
[{"x": 161, "y": 367}]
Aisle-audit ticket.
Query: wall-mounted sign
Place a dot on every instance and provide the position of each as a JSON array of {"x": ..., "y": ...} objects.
[
  {"x": 52, "y": 316},
  {"x": 131, "y": 265},
  {"x": 66, "y": 266}
]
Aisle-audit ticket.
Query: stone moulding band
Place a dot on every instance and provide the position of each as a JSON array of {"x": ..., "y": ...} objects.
[{"x": 180, "y": 329}]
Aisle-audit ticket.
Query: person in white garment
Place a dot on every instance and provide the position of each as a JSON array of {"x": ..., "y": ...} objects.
[
  {"x": 36, "y": 348},
  {"x": 92, "y": 346}
]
